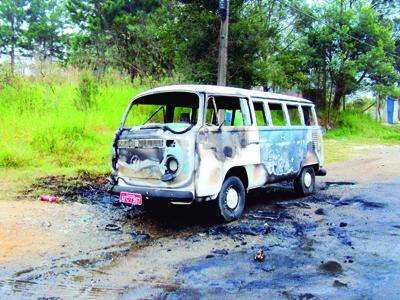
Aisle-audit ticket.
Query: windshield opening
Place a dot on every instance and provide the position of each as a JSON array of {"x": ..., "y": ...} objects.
[{"x": 163, "y": 108}]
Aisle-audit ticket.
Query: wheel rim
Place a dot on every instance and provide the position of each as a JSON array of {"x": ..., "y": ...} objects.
[
  {"x": 307, "y": 179},
  {"x": 232, "y": 198}
]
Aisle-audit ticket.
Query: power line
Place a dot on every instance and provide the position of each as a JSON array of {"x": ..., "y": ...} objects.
[{"x": 332, "y": 27}]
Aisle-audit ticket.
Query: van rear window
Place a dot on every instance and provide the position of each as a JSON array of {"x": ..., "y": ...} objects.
[
  {"x": 294, "y": 115},
  {"x": 308, "y": 116}
]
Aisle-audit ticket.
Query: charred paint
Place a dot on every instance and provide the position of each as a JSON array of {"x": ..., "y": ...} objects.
[
  {"x": 206, "y": 153},
  {"x": 145, "y": 166}
]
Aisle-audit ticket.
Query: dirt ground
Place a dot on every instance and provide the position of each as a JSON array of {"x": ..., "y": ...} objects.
[{"x": 341, "y": 242}]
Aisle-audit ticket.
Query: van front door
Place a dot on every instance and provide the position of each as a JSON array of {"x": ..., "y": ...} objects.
[{"x": 226, "y": 140}]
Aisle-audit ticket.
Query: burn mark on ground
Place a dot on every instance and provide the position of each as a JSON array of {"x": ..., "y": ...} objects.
[
  {"x": 300, "y": 237},
  {"x": 341, "y": 234},
  {"x": 84, "y": 188},
  {"x": 237, "y": 231},
  {"x": 336, "y": 184},
  {"x": 359, "y": 200}
]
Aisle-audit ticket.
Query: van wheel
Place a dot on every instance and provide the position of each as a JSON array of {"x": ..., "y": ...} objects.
[
  {"x": 304, "y": 184},
  {"x": 231, "y": 198}
]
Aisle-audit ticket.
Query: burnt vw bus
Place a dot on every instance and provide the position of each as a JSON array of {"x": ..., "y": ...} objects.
[{"x": 185, "y": 143}]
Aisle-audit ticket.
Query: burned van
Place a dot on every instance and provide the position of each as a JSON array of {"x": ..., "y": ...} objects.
[{"x": 186, "y": 143}]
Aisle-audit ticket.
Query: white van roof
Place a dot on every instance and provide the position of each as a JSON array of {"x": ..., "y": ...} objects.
[{"x": 221, "y": 90}]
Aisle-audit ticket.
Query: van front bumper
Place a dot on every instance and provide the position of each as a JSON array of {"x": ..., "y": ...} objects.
[{"x": 156, "y": 194}]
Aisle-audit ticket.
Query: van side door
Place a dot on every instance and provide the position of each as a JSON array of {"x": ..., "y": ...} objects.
[
  {"x": 275, "y": 142},
  {"x": 226, "y": 140}
]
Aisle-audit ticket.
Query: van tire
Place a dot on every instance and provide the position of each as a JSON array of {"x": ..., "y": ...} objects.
[
  {"x": 231, "y": 199},
  {"x": 304, "y": 184}
]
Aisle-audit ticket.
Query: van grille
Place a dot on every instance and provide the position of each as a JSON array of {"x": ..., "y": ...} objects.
[{"x": 142, "y": 143}]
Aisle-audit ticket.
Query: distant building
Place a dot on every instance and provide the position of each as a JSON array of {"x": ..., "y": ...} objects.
[{"x": 391, "y": 112}]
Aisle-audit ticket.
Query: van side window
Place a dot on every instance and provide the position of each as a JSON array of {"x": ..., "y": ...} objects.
[
  {"x": 236, "y": 111},
  {"x": 261, "y": 120},
  {"x": 308, "y": 116},
  {"x": 294, "y": 115},
  {"x": 277, "y": 114}
]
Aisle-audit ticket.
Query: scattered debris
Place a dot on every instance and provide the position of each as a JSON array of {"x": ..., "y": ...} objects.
[
  {"x": 112, "y": 227},
  {"x": 220, "y": 252},
  {"x": 295, "y": 204},
  {"x": 320, "y": 211},
  {"x": 46, "y": 224},
  {"x": 260, "y": 255},
  {"x": 243, "y": 229},
  {"x": 339, "y": 284},
  {"x": 306, "y": 296},
  {"x": 342, "y": 224},
  {"x": 329, "y": 184},
  {"x": 49, "y": 198},
  {"x": 140, "y": 236},
  {"x": 267, "y": 268},
  {"x": 359, "y": 200},
  {"x": 331, "y": 267}
]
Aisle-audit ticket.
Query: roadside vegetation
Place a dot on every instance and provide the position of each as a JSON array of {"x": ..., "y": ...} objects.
[
  {"x": 66, "y": 124},
  {"x": 57, "y": 124}
]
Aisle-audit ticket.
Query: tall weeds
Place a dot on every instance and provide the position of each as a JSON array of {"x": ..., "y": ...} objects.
[{"x": 41, "y": 123}]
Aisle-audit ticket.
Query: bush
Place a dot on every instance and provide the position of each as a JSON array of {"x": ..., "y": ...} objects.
[
  {"x": 58, "y": 140},
  {"x": 87, "y": 91},
  {"x": 11, "y": 159},
  {"x": 363, "y": 125}
]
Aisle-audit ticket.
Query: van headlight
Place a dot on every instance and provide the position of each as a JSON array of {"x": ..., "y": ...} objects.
[{"x": 172, "y": 164}]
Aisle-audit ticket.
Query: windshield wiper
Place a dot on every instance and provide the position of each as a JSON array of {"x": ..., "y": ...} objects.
[
  {"x": 165, "y": 127},
  {"x": 154, "y": 113},
  {"x": 178, "y": 132},
  {"x": 153, "y": 126}
]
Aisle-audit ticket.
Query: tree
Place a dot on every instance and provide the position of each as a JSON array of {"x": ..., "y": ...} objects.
[
  {"x": 46, "y": 22},
  {"x": 352, "y": 46},
  {"x": 128, "y": 34},
  {"x": 12, "y": 17},
  {"x": 92, "y": 40},
  {"x": 259, "y": 33}
]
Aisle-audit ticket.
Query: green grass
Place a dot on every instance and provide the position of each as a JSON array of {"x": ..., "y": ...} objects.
[
  {"x": 361, "y": 126},
  {"x": 355, "y": 129},
  {"x": 41, "y": 127}
]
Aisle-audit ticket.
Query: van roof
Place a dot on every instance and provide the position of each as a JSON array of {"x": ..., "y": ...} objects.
[{"x": 221, "y": 90}]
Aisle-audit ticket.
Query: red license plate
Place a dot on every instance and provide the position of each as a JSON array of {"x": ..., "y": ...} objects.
[{"x": 130, "y": 198}]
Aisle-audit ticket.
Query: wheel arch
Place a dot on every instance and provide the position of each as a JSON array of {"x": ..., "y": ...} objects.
[
  {"x": 315, "y": 166},
  {"x": 239, "y": 172}
]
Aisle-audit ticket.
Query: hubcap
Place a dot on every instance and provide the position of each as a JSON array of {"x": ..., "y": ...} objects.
[
  {"x": 307, "y": 180},
  {"x": 232, "y": 198}
]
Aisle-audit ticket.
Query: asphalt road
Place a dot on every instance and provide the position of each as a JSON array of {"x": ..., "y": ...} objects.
[{"x": 342, "y": 242}]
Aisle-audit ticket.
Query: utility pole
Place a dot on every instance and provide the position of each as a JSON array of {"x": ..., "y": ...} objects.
[{"x": 223, "y": 42}]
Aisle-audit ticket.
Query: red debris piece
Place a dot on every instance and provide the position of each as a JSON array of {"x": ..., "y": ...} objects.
[{"x": 49, "y": 198}]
